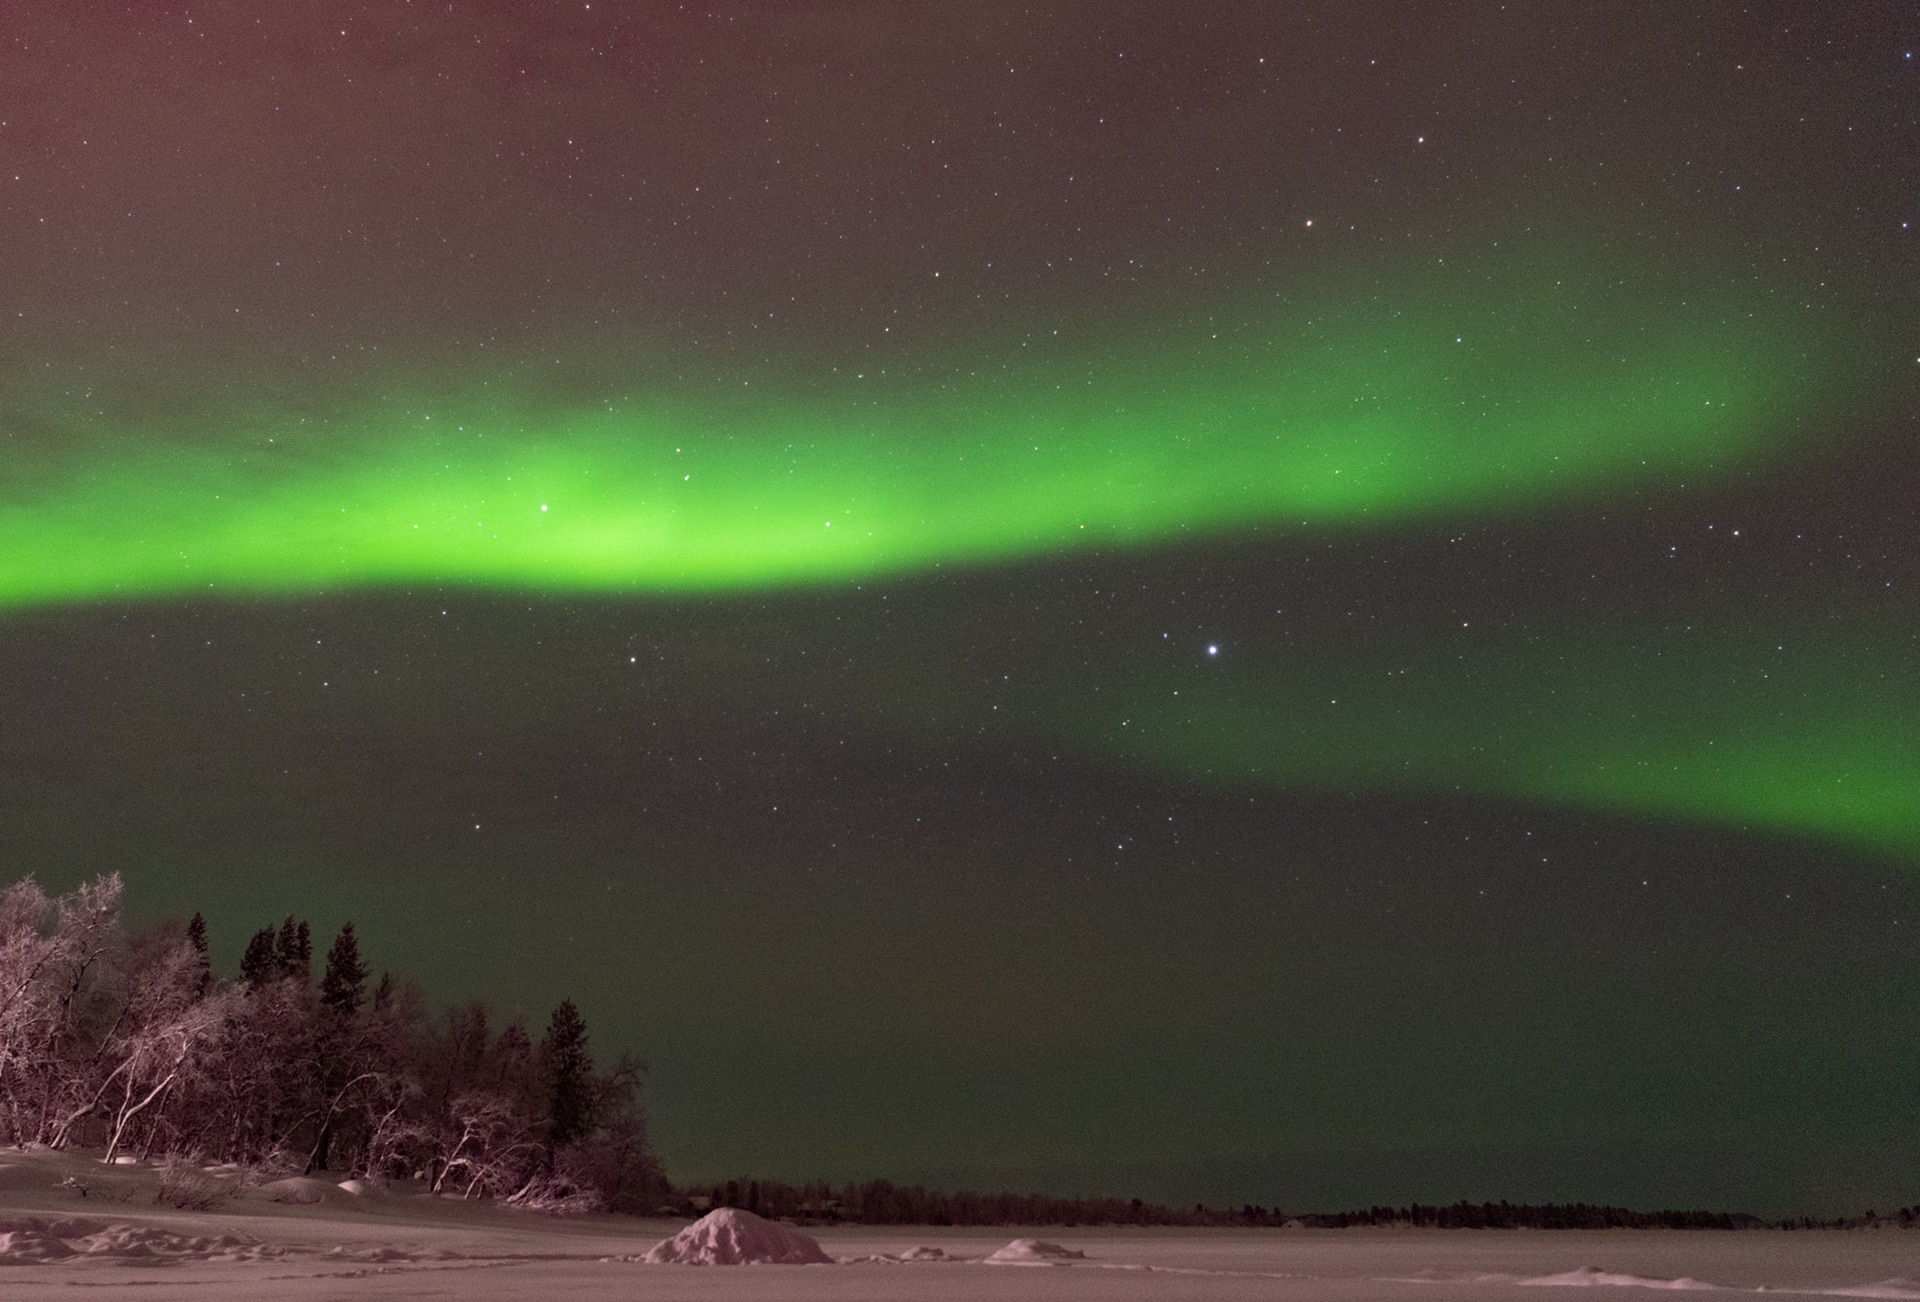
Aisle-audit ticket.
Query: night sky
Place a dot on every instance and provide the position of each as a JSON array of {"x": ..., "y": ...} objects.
[{"x": 1310, "y": 603}]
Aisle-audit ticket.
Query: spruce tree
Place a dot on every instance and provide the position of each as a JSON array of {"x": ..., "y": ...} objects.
[
  {"x": 569, "y": 1076},
  {"x": 344, "y": 984},
  {"x": 197, "y": 937},
  {"x": 285, "y": 946},
  {"x": 261, "y": 963},
  {"x": 295, "y": 950}
]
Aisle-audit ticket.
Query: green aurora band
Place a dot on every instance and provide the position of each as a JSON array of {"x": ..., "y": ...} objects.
[
  {"x": 1468, "y": 392},
  {"x": 1452, "y": 394},
  {"x": 1768, "y": 725},
  {"x": 1796, "y": 715}
]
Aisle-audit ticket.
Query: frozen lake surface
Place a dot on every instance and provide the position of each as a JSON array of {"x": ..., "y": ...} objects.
[{"x": 387, "y": 1245}]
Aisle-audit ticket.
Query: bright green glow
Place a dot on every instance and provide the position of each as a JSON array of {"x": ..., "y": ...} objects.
[
  {"x": 1805, "y": 729},
  {"x": 1444, "y": 391}
]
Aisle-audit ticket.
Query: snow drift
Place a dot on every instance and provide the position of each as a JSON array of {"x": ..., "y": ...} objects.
[
  {"x": 301, "y": 1189},
  {"x": 1034, "y": 1252},
  {"x": 33, "y": 1240},
  {"x": 1593, "y": 1277},
  {"x": 731, "y": 1237}
]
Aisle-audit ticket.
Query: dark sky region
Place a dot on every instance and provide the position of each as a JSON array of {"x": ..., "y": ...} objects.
[{"x": 1300, "y": 603}]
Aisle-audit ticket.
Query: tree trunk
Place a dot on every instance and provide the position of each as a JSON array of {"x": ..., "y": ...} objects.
[
  {"x": 61, "y": 1131},
  {"x": 153, "y": 1131},
  {"x": 127, "y": 1114}
]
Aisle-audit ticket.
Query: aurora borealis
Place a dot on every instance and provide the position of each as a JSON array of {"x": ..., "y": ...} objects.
[
  {"x": 1038, "y": 559},
  {"x": 1359, "y": 415}
]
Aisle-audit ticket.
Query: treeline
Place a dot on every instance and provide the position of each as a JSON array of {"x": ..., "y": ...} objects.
[
  {"x": 880, "y": 1202},
  {"x": 1513, "y": 1216},
  {"x": 131, "y": 1042},
  {"x": 1570, "y": 1216}
]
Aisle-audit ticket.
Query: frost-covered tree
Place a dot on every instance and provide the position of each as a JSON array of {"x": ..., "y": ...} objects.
[
  {"x": 135, "y": 1045},
  {"x": 491, "y": 1150},
  {"x": 158, "y": 1043},
  {"x": 51, "y": 952}
]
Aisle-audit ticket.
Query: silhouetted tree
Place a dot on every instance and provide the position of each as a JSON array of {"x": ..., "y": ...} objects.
[
  {"x": 347, "y": 1056},
  {"x": 569, "y": 1071},
  {"x": 344, "y": 984},
  {"x": 203, "y": 959},
  {"x": 618, "y": 1160},
  {"x": 261, "y": 963},
  {"x": 295, "y": 950},
  {"x": 53, "y": 951}
]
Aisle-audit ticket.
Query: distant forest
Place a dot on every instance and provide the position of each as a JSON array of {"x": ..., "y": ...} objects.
[
  {"x": 879, "y": 1202},
  {"x": 127, "y": 1040}
]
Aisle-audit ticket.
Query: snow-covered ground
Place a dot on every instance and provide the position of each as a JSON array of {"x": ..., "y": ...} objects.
[{"x": 393, "y": 1243}]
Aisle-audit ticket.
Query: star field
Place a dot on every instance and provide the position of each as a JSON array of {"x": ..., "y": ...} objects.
[{"x": 1285, "y": 604}]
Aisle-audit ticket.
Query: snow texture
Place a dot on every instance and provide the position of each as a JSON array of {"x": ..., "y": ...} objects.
[
  {"x": 919, "y": 1253},
  {"x": 916, "y": 1254},
  {"x": 300, "y": 1189},
  {"x": 69, "y": 1221},
  {"x": 731, "y": 1237},
  {"x": 1589, "y": 1277},
  {"x": 28, "y": 1244},
  {"x": 31, "y": 1240}
]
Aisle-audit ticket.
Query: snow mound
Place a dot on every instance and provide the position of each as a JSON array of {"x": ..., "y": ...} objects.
[
  {"x": 30, "y": 1240},
  {"x": 1902, "y": 1288},
  {"x": 371, "y": 1254},
  {"x": 300, "y": 1189},
  {"x": 146, "y": 1241},
  {"x": 731, "y": 1237},
  {"x": 23, "y": 1247},
  {"x": 1589, "y": 1277},
  {"x": 1034, "y": 1252},
  {"x": 924, "y": 1253},
  {"x": 911, "y": 1255}
]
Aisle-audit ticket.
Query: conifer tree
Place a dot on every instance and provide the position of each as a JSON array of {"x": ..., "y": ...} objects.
[
  {"x": 261, "y": 962},
  {"x": 344, "y": 985},
  {"x": 295, "y": 950},
  {"x": 286, "y": 946},
  {"x": 569, "y": 1076},
  {"x": 197, "y": 937}
]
